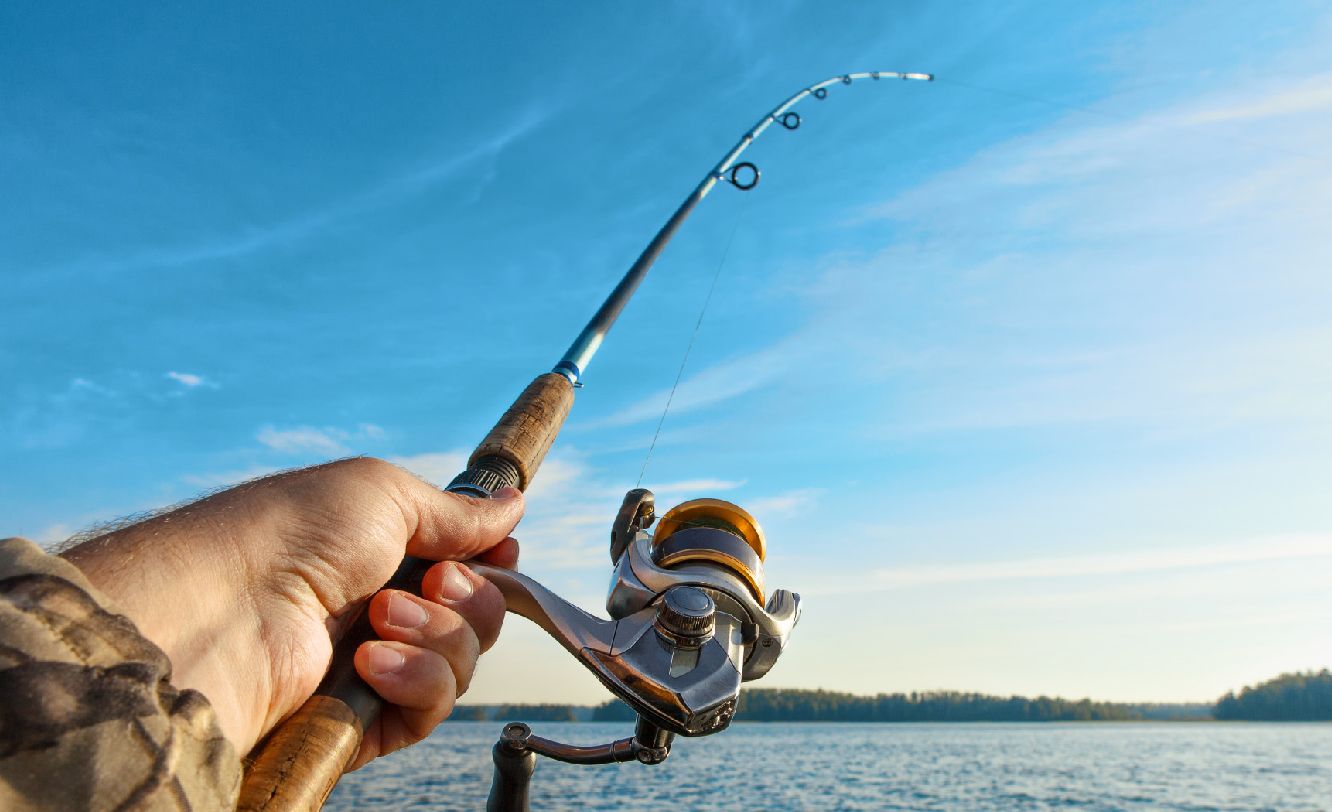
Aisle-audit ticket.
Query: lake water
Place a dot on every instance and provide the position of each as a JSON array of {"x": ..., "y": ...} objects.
[{"x": 1096, "y": 766}]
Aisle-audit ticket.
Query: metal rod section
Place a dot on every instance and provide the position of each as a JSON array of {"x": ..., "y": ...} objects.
[{"x": 575, "y": 360}]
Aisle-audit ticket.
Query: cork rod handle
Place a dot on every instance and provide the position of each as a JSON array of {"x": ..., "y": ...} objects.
[{"x": 298, "y": 764}]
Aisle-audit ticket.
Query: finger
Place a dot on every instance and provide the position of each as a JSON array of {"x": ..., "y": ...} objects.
[
  {"x": 419, "y": 682},
  {"x": 477, "y": 600},
  {"x": 370, "y": 745},
  {"x": 456, "y": 527},
  {"x": 504, "y": 554},
  {"x": 405, "y": 618}
]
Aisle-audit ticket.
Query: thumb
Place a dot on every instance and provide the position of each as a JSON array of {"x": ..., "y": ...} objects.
[{"x": 454, "y": 527}]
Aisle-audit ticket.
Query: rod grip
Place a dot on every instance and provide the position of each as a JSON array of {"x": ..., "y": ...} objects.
[
  {"x": 298, "y": 764},
  {"x": 527, "y": 430}
]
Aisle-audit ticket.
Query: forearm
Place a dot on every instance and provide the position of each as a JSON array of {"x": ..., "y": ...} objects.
[{"x": 182, "y": 581}]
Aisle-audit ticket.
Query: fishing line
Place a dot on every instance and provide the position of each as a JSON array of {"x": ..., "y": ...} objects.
[{"x": 726, "y": 252}]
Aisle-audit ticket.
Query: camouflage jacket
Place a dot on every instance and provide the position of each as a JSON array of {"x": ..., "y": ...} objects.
[{"x": 89, "y": 718}]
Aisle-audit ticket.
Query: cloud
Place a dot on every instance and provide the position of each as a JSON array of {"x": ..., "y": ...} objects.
[
  {"x": 329, "y": 440},
  {"x": 688, "y": 486},
  {"x": 436, "y": 467},
  {"x": 86, "y": 385},
  {"x": 1128, "y": 562},
  {"x": 718, "y": 383},
  {"x": 1156, "y": 270},
  {"x": 783, "y": 504},
  {"x": 189, "y": 380},
  {"x": 303, "y": 439},
  {"x": 1315, "y": 93},
  {"x": 1157, "y": 162},
  {"x": 253, "y": 240}
]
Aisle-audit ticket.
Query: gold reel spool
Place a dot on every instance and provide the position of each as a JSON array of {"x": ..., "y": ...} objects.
[{"x": 713, "y": 531}]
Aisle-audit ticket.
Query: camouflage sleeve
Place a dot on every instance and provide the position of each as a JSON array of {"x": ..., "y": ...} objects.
[{"x": 88, "y": 716}]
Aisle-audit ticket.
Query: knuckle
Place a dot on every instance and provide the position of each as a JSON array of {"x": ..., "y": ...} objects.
[{"x": 369, "y": 467}]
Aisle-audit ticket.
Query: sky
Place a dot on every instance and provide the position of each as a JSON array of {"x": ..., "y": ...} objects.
[{"x": 1026, "y": 372}]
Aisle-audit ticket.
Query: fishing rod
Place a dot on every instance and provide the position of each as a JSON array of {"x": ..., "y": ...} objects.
[{"x": 690, "y": 618}]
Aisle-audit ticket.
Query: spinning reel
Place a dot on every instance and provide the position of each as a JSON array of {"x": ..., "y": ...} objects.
[{"x": 690, "y": 620}]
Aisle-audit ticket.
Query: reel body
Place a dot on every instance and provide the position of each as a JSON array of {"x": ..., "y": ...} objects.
[{"x": 689, "y": 622}]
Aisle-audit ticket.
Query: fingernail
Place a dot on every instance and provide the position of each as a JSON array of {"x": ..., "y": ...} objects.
[
  {"x": 385, "y": 659},
  {"x": 405, "y": 613},
  {"x": 455, "y": 585},
  {"x": 507, "y": 492}
]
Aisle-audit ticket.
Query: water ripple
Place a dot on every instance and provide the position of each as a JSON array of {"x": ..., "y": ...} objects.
[{"x": 1098, "y": 767}]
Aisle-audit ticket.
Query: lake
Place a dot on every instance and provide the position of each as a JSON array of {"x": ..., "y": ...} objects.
[{"x": 1092, "y": 766}]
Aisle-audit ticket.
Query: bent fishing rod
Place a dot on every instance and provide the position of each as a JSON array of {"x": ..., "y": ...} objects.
[{"x": 690, "y": 616}]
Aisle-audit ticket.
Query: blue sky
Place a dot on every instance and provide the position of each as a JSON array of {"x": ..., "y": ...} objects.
[{"x": 1026, "y": 371}]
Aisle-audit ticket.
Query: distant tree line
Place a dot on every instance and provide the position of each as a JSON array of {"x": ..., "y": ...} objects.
[
  {"x": 469, "y": 713},
  {"x": 515, "y": 713},
  {"x": 1299, "y": 697},
  {"x": 1289, "y": 697},
  {"x": 536, "y": 713},
  {"x": 940, "y": 706},
  {"x": 786, "y": 705}
]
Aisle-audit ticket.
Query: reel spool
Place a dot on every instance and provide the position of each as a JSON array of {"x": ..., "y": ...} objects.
[{"x": 712, "y": 532}]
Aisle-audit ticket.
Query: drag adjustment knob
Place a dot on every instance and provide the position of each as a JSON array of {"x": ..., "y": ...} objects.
[{"x": 685, "y": 616}]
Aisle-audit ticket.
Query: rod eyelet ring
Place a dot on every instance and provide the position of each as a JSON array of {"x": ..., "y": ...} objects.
[
  {"x": 734, "y": 178},
  {"x": 790, "y": 120},
  {"x": 875, "y": 76},
  {"x": 846, "y": 80},
  {"x": 820, "y": 93}
]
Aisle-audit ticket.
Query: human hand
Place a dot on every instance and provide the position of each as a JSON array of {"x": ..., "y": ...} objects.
[{"x": 247, "y": 591}]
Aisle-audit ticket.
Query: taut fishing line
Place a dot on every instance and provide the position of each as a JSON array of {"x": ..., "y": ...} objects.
[{"x": 726, "y": 252}]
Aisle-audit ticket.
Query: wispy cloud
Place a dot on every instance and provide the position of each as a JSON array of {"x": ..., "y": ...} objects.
[
  {"x": 716, "y": 384},
  {"x": 783, "y": 504},
  {"x": 1108, "y": 272},
  {"x": 426, "y": 175},
  {"x": 327, "y": 440},
  {"x": 89, "y": 386},
  {"x": 437, "y": 467},
  {"x": 302, "y": 439},
  {"x": 1312, "y": 94},
  {"x": 1128, "y": 562},
  {"x": 690, "y": 486},
  {"x": 190, "y": 380}
]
